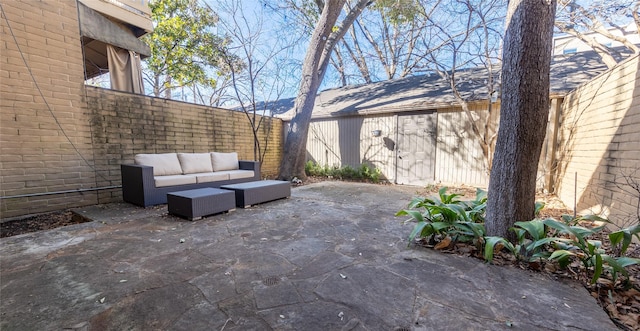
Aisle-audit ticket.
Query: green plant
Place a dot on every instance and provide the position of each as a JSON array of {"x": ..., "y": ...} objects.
[
  {"x": 590, "y": 252},
  {"x": 624, "y": 236},
  {"x": 367, "y": 173},
  {"x": 575, "y": 244},
  {"x": 448, "y": 217},
  {"x": 531, "y": 243},
  {"x": 346, "y": 172},
  {"x": 567, "y": 241}
]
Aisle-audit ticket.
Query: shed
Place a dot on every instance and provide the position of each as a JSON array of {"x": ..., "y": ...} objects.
[{"x": 414, "y": 131}]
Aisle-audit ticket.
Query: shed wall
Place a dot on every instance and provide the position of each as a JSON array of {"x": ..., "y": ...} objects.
[
  {"x": 349, "y": 141},
  {"x": 459, "y": 158}
]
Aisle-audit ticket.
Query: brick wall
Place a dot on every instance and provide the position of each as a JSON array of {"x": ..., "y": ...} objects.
[
  {"x": 125, "y": 124},
  {"x": 35, "y": 155},
  {"x": 600, "y": 141},
  {"x": 58, "y": 135}
]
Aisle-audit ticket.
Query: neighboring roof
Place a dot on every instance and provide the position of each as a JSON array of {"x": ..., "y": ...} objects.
[{"x": 431, "y": 91}]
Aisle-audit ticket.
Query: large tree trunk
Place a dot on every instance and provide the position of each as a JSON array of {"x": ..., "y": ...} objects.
[
  {"x": 296, "y": 143},
  {"x": 523, "y": 116},
  {"x": 313, "y": 69}
]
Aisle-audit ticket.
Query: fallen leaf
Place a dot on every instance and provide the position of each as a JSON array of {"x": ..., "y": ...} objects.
[{"x": 443, "y": 244}]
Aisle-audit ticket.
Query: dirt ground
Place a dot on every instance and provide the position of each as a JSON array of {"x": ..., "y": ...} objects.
[{"x": 40, "y": 222}]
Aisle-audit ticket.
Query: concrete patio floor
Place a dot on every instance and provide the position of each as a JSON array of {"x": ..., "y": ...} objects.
[{"x": 332, "y": 257}]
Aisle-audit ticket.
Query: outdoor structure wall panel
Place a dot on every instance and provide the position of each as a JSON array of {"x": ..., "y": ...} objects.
[
  {"x": 459, "y": 158},
  {"x": 350, "y": 141},
  {"x": 600, "y": 143}
]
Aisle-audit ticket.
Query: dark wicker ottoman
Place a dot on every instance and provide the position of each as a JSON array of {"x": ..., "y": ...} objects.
[
  {"x": 193, "y": 204},
  {"x": 252, "y": 193}
]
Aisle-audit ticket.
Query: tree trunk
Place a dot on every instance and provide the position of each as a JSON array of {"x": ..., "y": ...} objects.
[
  {"x": 523, "y": 119},
  {"x": 295, "y": 146},
  {"x": 313, "y": 69}
]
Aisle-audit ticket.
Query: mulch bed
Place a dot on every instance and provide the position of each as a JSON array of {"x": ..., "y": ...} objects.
[{"x": 40, "y": 222}]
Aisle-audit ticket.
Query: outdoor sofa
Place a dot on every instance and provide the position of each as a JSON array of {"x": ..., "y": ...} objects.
[{"x": 147, "y": 182}]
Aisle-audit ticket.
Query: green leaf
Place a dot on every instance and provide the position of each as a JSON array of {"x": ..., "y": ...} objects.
[
  {"x": 475, "y": 230},
  {"x": 539, "y": 206},
  {"x": 481, "y": 195},
  {"x": 597, "y": 268},
  {"x": 416, "y": 229},
  {"x": 618, "y": 265},
  {"x": 439, "y": 226},
  {"x": 541, "y": 242},
  {"x": 442, "y": 192},
  {"x": 624, "y": 236},
  {"x": 562, "y": 256},
  {"x": 578, "y": 232},
  {"x": 418, "y": 202},
  {"x": 625, "y": 261},
  {"x": 460, "y": 212},
  {"x": 490, "y": 244},
  {"x": 557, "y": 254},
  {"x": 567, "y": 219},
  {"x": 535, "y": 228},
  {"x": 594, "y": 218},
  {"x": 415, "y": 215}
]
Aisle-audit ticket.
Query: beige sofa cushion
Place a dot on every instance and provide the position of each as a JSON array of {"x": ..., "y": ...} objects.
[
  {"x": 162, "y": 181},
  {"x": 237, "y": 174},
  {"x": 193, "y": 163},
  {"x": 211, "y": 177},
  {"x": 224, "y": 161},
  {"x": 163, "y": 164}
]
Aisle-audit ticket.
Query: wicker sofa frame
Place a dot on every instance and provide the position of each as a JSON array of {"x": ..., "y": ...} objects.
[{"x": 138, "y": 185}]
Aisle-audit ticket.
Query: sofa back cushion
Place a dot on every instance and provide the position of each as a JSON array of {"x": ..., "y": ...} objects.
[
  {"x": 163, "y": 164},
  {"x": 193, "y": 163},
  {"x": 224, "y": 161}
]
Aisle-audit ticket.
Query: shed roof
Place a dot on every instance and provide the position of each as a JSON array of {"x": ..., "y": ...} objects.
[{"x": 432, "y": 91}]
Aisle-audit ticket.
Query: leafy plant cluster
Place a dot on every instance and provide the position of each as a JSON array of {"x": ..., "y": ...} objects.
[
  {"x": 445, "y": 220},
  {"x": 347, "y": 172}
]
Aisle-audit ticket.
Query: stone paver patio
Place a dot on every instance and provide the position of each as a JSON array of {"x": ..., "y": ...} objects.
[{"x": 332, "y": 257}]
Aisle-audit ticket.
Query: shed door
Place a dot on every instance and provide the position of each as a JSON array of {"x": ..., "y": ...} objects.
[{"x": 416, "y": 151}]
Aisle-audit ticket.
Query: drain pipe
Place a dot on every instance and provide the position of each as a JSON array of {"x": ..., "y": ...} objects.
[{"x": 60, "y": 192}]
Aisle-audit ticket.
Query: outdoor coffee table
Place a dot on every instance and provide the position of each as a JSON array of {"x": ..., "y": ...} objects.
[
  {"x": 252, "y": 193},
  {"x": 193, "y": 204}
]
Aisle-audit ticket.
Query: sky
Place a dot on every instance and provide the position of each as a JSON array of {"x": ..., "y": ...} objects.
[{"x": 278, "y": 67}]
